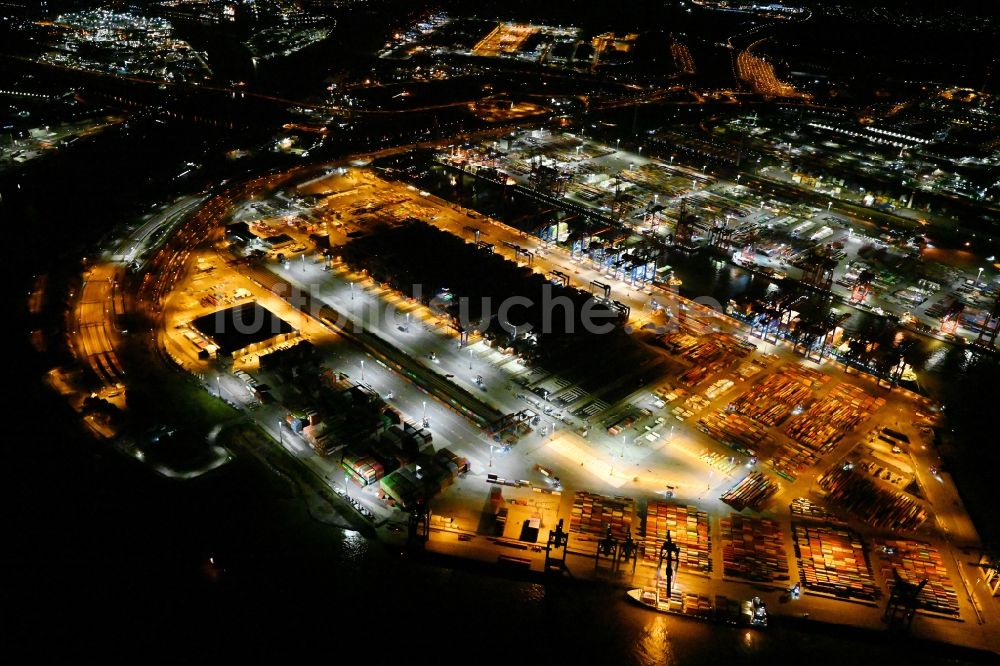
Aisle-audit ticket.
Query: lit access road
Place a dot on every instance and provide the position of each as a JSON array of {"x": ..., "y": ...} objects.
[
  {"x": 96, "y": 333},
  {"x": 450, "y": 429},
  {"x": 157, "y": 228},
  {"x": 418, "y": 338},
  {"x": 101, "y": 300},
  {"x": 342, "y": 353},
  {"x": 359, "y": 328},
  {"x": 380, "y": 323},
  {"x": 368, "y": 308},
  {"x": 611, "y": 459}
]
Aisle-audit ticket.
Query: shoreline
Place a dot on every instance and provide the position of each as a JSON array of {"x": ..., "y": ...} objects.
[{"x": 795, "y": 621}]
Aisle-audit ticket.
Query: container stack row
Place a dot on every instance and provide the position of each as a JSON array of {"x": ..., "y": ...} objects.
[
  {"x": 805, "y": 508},
  {"x": 791, "y": 459},
  {"x": 832, "y": 560},
  {"x": 876, "y": 505},
  {"x": 752, "y": 492},
  {"x": 827, "y": 420},
  {"x": 771, "y": 400},
  {"x": 735, "y": 431},
  {"x": 916, "y": 561},
  {"x": 753, "y": 548},
  {"x": 688, "y": 529},
  {"x": 592, "y": 514}
]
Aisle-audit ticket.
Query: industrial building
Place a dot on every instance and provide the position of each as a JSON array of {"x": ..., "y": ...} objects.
[{"x": 248, "y": 327}]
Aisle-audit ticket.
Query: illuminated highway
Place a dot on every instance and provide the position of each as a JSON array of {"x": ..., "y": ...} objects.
[{"x": 96, "y": 335}]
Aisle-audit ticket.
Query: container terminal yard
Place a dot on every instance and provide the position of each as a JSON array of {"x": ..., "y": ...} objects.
[
  {"x": 652, "y": 333},
  {"x": 712, "y": 458}
]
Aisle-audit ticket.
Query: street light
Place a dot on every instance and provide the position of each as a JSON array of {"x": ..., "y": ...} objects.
[
  {"x": 979, "y": 275},
  {"x": 352, "y": 291},
  {"x": 362, "y": 370},
  {"x": 491, "y": 454},
  {"x": 281, "y": 437},
  {"x": 470, "y": 358}
]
